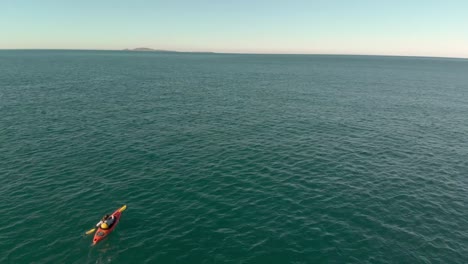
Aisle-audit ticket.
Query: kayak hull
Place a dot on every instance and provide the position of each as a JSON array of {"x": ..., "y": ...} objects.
[{"x": 103, "y": 233}]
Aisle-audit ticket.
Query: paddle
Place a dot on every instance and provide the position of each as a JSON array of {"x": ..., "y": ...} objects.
[
  {"x": 90, "y": 231},
  {"x": 121, "y": 209}
]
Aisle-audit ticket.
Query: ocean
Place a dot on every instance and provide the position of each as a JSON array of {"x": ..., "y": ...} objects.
[{"x": 233, "y": 158}]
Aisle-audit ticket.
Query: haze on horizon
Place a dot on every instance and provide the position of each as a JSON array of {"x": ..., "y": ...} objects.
[{"x": 412, "y": 28}]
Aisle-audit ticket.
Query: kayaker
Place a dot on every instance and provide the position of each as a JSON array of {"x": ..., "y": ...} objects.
[{"x": 106, "y": 221}]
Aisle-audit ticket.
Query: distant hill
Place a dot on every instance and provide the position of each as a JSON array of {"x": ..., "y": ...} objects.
[
  {"x": 149, "y": 49},
  {"x": 166, "y": 51}
]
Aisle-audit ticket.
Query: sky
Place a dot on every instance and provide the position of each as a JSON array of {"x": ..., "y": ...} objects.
[{"x": 385, "y": 27}]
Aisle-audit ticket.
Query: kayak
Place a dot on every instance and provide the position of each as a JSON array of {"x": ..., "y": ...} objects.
[{"x": 103, "y": 233}]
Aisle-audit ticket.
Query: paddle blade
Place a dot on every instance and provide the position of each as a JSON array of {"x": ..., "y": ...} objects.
[
  {"x": 90, "y": 231},
  {"x": 123, "y": 208}
]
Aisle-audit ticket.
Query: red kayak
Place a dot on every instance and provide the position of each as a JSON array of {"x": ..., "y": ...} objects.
[{"x": 102, "y": 233}]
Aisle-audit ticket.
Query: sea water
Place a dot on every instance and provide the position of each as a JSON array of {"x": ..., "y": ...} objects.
[{"x": 231, "y": 158}]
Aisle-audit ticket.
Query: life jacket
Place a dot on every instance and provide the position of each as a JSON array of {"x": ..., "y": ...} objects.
[{"x": 109, "y": 221}]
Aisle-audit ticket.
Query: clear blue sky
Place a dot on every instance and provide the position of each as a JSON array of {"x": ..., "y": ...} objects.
[{"x": 400, "y": 27}]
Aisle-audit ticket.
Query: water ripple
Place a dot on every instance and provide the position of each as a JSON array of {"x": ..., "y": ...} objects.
[{"x": 233, "y": 158}]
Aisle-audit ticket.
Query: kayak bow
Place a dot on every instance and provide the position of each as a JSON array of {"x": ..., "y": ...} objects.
[{"x": 103, "y": 233}]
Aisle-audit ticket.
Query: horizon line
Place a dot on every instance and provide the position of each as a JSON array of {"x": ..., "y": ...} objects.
[{"x": 242, "y": 53}]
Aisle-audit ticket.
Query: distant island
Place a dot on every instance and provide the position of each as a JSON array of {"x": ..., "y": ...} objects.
[
  {"x": 149, "y": 49},
  {"x": 165, "y": 51}
]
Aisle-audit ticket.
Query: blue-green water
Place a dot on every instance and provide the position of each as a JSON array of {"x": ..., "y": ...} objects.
[{"x": 233, "y": 158}]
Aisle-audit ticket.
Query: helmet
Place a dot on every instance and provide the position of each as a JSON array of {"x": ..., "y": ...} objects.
[{"x": 104, "y": 226}]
